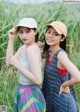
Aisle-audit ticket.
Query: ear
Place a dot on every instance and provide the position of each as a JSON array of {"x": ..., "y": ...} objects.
[
  {"x": 36, "y": 31},
  {"x": 62, "y": 39}
]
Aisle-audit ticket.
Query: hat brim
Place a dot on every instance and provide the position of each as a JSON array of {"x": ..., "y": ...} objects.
[
  {"x": 16, "y": 27},
  {"x": 57, "y": 30},
  {"x": 24, "y": 26}
]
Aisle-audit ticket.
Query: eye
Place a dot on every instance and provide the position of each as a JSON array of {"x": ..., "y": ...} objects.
[
  {"x": 48, "y": 31},
  {"x": 20, "y": 31},
  {"x": 28, "y": 30},
  {"x": 56, "y": 34}
]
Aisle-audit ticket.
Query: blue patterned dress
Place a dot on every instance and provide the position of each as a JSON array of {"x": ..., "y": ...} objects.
[{"x": 51, "y": 86}]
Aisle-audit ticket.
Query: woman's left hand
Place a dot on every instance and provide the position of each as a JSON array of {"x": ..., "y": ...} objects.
[
  {"x": 13, "y": 61},
  {"x": 39, "y": 43},
  {"x": 65, "y": 89}
]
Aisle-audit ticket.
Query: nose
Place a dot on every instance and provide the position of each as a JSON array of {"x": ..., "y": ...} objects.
[
  {"x": 24, "y": 35},
  {"x": 50, "y": 35}
]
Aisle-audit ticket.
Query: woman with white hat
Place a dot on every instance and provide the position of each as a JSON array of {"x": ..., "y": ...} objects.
[
  {"x": 60, "y": 74},
  {"x": 28, "y": 96}
]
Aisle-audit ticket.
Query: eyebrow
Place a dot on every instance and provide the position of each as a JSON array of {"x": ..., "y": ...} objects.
[{"x": 53, "y": 31}]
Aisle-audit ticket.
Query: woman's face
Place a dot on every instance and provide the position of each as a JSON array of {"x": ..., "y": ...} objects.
[
  {"x": 27, "y": 35},
  {"x": 52, "y": 37}
]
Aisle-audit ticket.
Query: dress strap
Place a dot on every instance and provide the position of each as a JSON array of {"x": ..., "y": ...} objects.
[{"x": 55, "y": 59}]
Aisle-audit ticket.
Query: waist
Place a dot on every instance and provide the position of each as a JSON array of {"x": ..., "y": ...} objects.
[
  {"x": 23, "y": 78},
  {"x": 25, "y": 83}
]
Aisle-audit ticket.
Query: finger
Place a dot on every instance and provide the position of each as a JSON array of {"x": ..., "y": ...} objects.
[
  {"x": 12, "y": 31},
  {"x": 60, "y": 92}
]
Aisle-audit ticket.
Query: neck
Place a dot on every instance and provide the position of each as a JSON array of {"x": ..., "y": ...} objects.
[
  {"x": 54, "y": 49},
  {"x": 29, "y": 44}
]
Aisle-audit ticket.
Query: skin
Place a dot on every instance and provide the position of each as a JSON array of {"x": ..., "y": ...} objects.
[
  {"x": 26, "y": 35},
  {"x": 28, "y": 38},
  {"x": 53, "y": 39}
]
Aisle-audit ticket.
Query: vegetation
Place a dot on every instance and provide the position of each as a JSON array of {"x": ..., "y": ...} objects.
[{"x": 10, "y": 14}]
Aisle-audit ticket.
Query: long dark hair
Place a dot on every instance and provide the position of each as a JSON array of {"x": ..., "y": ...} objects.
[
  {"x": 37, "y": 35},
  {"x": 63, "y": 44}
]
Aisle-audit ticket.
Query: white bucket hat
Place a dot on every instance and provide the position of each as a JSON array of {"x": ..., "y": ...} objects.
[{"x": 27, "y": 22}]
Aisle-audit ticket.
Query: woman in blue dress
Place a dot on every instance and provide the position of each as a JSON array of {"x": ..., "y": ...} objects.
[{"x": 60, "y": 74}]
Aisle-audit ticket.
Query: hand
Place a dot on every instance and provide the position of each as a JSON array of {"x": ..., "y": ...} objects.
[
  {"x": 13, "y": 61},
  {"x": 12, "y": 33},
  {"x": 64, "y": 89},
  {"x": 39, "y": 44}
]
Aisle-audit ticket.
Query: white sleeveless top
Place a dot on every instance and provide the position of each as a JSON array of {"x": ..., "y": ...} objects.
[{"x": 23, "y": 60}]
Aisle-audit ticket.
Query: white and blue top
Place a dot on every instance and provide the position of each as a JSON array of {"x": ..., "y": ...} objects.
[{"x": 24, "y": 61}]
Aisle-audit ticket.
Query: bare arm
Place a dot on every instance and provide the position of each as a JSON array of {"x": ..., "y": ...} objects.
[
  {"x": 71, "y": 68},
  {"x": 10, "y": 49},
  {"x": 9, "y": 52},
  {"x": 33, "y": 57},
  {"x": 11, "y": 36}
]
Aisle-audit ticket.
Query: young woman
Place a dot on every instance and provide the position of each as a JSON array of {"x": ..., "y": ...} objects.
[
  {"x": 60, "y": 74},
  {"x": 28, "y": 96}
]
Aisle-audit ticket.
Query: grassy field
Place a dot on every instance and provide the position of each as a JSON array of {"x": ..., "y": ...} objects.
[{"x": 44, "y": 14}]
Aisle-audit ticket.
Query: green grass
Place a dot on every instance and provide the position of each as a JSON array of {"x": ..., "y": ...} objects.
[{"x": 8, "y": 82}]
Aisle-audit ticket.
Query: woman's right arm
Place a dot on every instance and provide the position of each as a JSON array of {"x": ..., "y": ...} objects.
[
  {"x": 9, "y": 51},
  {"x": 11, "y": 35}
]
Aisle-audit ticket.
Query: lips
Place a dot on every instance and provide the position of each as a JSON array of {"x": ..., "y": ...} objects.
[
  {"x": 49, "y": 40},
  {"x": 24, "y": 39}
]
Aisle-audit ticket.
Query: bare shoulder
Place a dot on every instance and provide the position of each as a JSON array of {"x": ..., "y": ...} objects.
[
  {"x": 22, "y": 47},
  {"x": 33, "y": 49},
  {"x": 62, "y": 54},
  {"x": 63, "y": 59}
]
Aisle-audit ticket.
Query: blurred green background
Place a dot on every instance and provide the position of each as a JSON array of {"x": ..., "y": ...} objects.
[{"x": 43, "y": 13}]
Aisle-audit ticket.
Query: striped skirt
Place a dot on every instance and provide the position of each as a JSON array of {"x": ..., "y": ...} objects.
[{"x": 29, "y": 98}]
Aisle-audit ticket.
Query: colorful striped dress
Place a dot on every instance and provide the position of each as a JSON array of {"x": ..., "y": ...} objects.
[
  {"x": 53, "y": 79},
  {"x": 28, "y": 96}
]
